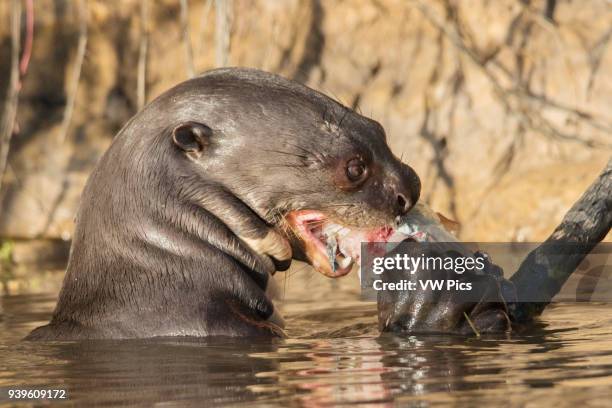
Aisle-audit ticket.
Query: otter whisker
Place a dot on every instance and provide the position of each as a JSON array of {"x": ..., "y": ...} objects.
[
  {"x": 299, "y": 147},
  {"x": 341, "y": 205},
  {"x": 316, "y": 223},
  {"x": 294, "y": 166},
  {"x": 287, "y": 153},
  {"x": 346, "y": 112}
]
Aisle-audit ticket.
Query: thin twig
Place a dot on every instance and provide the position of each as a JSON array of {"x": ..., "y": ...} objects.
[
  {"x": 186, "y": 38},
  {"x": 12, "y": 98},
  {"x": 29, "y": 38},
  {"x": 476, "y": 332},
  {"x": 141, "y": 90},
  {"x": 222, "y": 32},
  {"x": 203, "y": 23},
  {"x": 76, "y": 72}
]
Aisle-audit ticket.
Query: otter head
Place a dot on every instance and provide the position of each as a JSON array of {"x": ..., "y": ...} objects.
[{"x": 319, "y": 176}]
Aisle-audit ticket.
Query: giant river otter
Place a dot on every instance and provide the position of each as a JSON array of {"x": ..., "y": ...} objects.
[{"x": 209, "y": 190}]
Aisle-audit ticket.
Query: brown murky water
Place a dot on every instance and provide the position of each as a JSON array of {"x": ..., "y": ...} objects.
[{"x": 334, "y": 356}]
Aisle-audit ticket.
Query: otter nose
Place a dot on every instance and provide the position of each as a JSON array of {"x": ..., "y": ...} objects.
[
  {"x": 407, "y": 191},
  {"x": 403, "y": 204}
]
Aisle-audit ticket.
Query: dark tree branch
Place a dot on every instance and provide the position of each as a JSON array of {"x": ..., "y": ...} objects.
[{"x": 545, "y": 270}]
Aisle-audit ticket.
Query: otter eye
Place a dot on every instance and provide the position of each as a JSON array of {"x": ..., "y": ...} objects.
[{"x": 355, "y": 170}]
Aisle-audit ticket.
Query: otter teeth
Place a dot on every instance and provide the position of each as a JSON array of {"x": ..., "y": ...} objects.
[
  {"x": 337, "y": 258},
  {"x": 336, "y": 230},
  {"x": 344, "y": 262},
  {"x": 344, "y": 231},
  {"x": 331, "y": 229},
  {"x": 332, "y": 244}
]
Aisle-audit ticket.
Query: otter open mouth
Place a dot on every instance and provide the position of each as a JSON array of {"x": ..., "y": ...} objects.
[{"x": 333, "y": 248}]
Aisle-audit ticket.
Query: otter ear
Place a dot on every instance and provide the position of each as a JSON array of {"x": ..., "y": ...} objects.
[{"x": 192, "y": 137}]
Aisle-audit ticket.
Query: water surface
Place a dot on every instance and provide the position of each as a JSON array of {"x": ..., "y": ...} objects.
[{"x": 334, "y": 356}]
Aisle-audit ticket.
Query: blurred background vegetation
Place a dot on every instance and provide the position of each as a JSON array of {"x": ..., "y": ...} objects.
[{"x": 503, "y": 107}]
